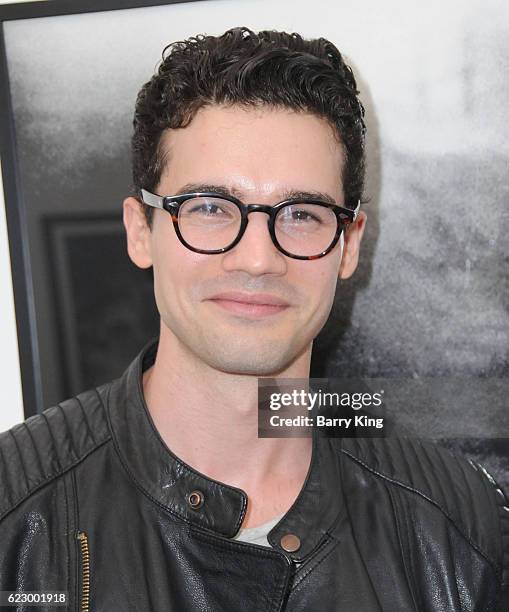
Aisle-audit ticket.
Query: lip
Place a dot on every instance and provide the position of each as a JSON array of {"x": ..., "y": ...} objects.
[
  {"x": 250, "y": 298},
  {"x": 250, "y": 305}
]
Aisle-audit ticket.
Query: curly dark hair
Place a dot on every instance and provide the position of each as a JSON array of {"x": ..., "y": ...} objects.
[{"x": 248, "y": 69}]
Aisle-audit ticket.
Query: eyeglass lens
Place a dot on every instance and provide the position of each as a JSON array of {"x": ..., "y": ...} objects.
[{"x": 212, "y": 223}]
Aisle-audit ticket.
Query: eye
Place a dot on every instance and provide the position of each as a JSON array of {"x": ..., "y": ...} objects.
[
  {"x": 303, "y": 215},
  {"x": 209, "y": 211},
  {"x": 207, "y": 208}
]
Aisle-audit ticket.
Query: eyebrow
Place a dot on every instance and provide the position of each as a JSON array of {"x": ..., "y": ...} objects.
[{"x": 288, "y": 194}]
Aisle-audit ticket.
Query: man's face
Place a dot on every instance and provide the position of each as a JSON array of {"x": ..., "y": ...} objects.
[{"x": 259, "y": 154}]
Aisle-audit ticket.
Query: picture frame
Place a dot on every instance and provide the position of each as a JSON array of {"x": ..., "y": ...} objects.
[{"x": 41, "y": 389}]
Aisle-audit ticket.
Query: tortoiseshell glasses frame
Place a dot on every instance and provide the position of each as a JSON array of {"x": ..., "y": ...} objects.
[{"x": 172, "y": 204}]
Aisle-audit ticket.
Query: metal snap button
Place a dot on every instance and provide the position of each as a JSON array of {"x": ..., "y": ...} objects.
[
  {"x": 195, "y": 499},
  {"x": 290, "y": 542}
]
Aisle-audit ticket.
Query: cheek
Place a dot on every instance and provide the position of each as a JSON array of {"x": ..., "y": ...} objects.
[
  {"x": 167, "y": 267},
  {"x": 178, "y": 272},
  {"x": 317, "y": 282},
  {"x": 327, "y": 287},
  {"x": 167, "y": 250},
  {"x": 325, "y": 281},
  {"x": 328, "y": 272}
]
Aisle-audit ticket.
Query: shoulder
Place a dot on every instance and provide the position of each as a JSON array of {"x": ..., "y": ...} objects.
[
  {"x": 462, "y": 490},
  {"x": 44, "y": 446}
]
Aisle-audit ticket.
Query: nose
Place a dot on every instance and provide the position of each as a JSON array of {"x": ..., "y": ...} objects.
[{"x": 256, "y": 253}]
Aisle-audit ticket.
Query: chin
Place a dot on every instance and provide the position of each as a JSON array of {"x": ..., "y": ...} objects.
[
  {"x": 261, "y": 357},
  {"x": 269, "y": 365}
]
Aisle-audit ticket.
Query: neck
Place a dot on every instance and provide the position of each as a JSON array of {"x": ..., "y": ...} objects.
[{"x": 209, "y": 419}]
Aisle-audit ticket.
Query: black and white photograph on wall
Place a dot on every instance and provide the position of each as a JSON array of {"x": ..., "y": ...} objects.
[
  {"x": 430, "y": 297},
  {"x": 422, "y": 321}
]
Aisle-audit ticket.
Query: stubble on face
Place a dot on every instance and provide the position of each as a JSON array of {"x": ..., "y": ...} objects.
[{"x": 234, "y": 146}]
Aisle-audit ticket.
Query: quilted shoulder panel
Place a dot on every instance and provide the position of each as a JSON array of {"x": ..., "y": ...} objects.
[
  {"x": 461, "y": 489},
  {"x": 47, "y": 444}
]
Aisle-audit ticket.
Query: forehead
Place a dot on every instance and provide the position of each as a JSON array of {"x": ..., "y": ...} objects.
[{"x": 255, "y": 150}]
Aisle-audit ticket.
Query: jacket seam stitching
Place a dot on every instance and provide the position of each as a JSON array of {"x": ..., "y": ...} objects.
[
  {"x": 407, "y": 521},
  {"x": 77, "y": 552},
  {"x": 53, "y": 441},
  {"x": 490, "y": 492},
  {"x": 75, "y": 498},
  {"x": 455, "y": 574},
  {"x": 68, "y": 431},
  {"x": 431, "y": 501},
  {"x": 324, "y": 540},
  {"x": 298, "y": 584},
  {"x": 36, "y": 451},
  {"x": 50, "y": 478},
  {"x": 324, "y": 536},
  {"x": 25, "y": 477},
  {"x": 307, "y": 563},
  {"x": 399, "y": 528},
  {"x": 354, "y": 537},
  {"x": 67, "y": 522},
  {"x": 104, "y": 407},
  {"x": 85, "y": 418},
  {"x": 4, "y": 471}
]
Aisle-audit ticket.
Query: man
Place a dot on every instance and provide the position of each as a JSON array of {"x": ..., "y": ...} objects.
[{"x": 154, "y": 492}]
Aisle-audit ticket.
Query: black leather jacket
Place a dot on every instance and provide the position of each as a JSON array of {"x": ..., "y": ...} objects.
[{"x": 93, "y": 503}]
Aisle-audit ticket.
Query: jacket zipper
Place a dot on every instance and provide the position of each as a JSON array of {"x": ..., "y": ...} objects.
[{"x": 85, "y": 571}]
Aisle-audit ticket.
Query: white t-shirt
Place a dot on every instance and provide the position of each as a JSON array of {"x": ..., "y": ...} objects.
[{"x": 258, "y": 535}]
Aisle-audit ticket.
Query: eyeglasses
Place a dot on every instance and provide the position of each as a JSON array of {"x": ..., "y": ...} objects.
[{"x": 211, "y": 223}]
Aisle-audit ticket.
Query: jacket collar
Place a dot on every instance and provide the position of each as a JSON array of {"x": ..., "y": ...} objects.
[{"x": 168, "y": 481}]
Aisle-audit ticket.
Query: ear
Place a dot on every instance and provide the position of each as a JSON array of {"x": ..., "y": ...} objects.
[
  {"x": 138, "y": 233},
  {"x": 353, "y": 237}
]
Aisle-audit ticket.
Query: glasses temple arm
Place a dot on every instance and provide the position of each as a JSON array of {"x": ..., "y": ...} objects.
[
  {"x": 356, "y": 210},
  {"x": 152, "y": 200}
]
